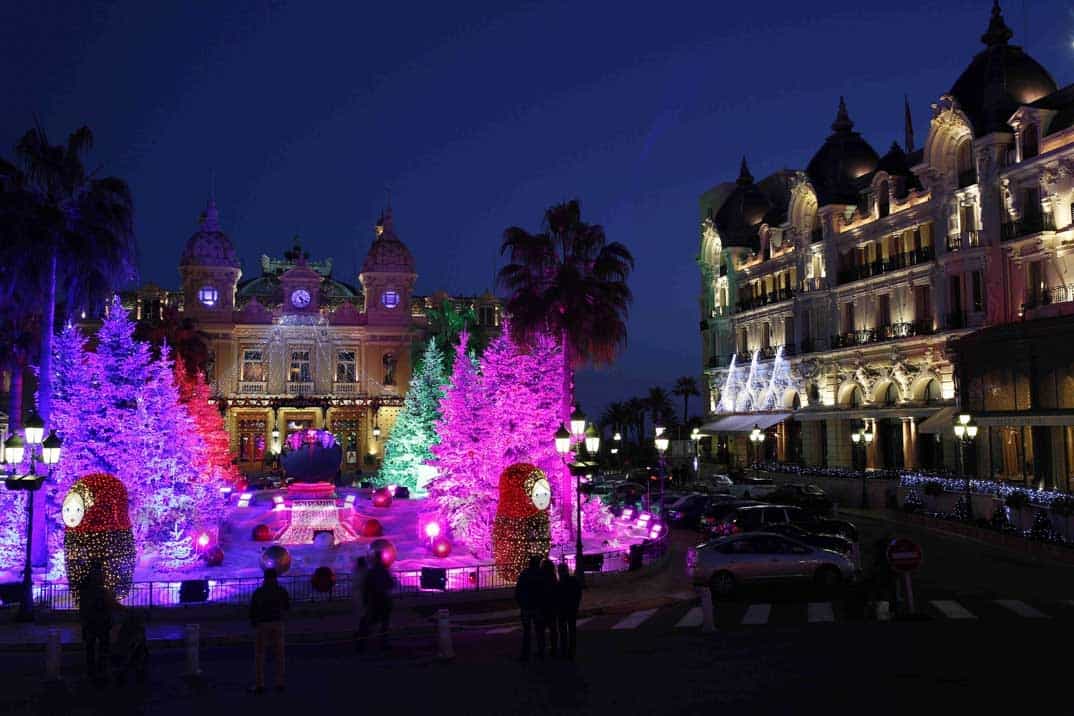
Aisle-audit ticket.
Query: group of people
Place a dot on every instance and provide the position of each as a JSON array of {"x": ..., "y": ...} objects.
[
  {"x": 96, "y": 607},
  {"x": 548, "y": 600}
]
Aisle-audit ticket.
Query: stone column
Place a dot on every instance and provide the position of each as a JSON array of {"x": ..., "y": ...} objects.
[
  {"x": 872, "y": 450},
  {"x": 909, "y": 443},
  {"x": 839, "y": 445}
]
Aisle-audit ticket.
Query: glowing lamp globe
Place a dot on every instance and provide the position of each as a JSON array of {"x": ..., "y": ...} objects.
[
  {"x": 372, "y": 528},
  {"x": 276, "y": 557},
  {"x": 262, "y": 533},
  {"x": 442, "y": 547},
  {"x": 34, "y": 429},
  {"x": 214, "y": 557},
  {"x": 203, "y": 540},
  {"x": 432, "y": 530},
  {"x": 323, "y": 579},
  {"x": 383, "y": 550},
  {"x": 382, "y": 498}
]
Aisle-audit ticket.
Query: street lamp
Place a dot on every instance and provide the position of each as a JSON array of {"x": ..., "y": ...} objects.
[
  {"x": 577, "y": 421},
  {"x": 660, "y": 440},
  {"x": 618, "y": 438},
  {"x": 695, "y": 437},
  {"x": 591, "y": 439},
  {"x": 862, "y": 437},
  {"x": 756, "y": 437},
  {"x": 965, "y": 432},
  {"x": 14, "y": 452}
]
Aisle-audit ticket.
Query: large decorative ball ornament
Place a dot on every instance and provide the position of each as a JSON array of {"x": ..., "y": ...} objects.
[
  {"x": 382, "y": 497},
  {"x": 276, "y": 557},
  {"x": 442, "y": 547},
  {"x": 521, "y": 528},
  {"x": 98, "y": 532},
  {"x": 262, "y": 533},
  {"x": 372, "y": 528},
  {"x": 323, "y": 539},
  {"x": 214, "y": 556},
  {"x": 323, "y": 579},
  {"x": 383, "y": 550}
]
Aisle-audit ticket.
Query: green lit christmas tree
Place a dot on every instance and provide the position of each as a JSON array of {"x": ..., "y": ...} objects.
[{"x": 409, "y": 447}]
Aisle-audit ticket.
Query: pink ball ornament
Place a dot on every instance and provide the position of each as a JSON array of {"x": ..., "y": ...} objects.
[
  {"x": 276, "y": 557},
  {"x": 442, "y": 547},
  {"x": 384, "y": 550},
  {"x": 214, "y": 556},
  {"x": 372, "y": 528},
  {"x": 382, "y": 497},
  {"x": 262, "y": 533}
]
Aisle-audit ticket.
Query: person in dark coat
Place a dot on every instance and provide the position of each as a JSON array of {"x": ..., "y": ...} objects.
[
  {"x": 568, "y": 600},
  {"x": 95, "y": 604},
  {"x": 529, "y": 590},
  {"x": 377, "y": 592},
  {"x": 268, "y": 609},
  {"x": 132, "y": 647},
  {"x": 548, "y": 617}
]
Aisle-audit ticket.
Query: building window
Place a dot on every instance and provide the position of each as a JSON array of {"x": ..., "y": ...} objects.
[
  {"x": 300, "y": 366},
  {"x": 978, "y": 291},
  {"x": 389, "y": 299},
  {"x": 891, "y": 395},
  {"x": 487, "y": 316},
  {"x": 967, "y": 173},
  {"x": 883, "y": 310},
  {"x": 883, "y": 200},
  {"x": 932, "y": 392},
  {"x": 345, "y": 366},
  {"x": 208, "y": 296},
  {"x": 253, "y": 365}
]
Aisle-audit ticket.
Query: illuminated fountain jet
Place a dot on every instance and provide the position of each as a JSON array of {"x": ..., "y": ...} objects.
[
  {"x": 727, "y": 403},
  {"x": 777, "y": 366},
  {"x": 752, "y": 373}
]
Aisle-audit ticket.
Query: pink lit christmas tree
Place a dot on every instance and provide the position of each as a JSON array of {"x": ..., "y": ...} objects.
[{"x": 213, "y": 457}]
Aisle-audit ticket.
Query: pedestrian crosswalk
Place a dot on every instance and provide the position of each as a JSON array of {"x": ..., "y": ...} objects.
[{"x": 683, "y": 617}]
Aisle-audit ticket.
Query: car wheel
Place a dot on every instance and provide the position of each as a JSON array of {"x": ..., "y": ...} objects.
[
  {"x": 722, "y": 584},
  {"x": 828, "y": 577}
]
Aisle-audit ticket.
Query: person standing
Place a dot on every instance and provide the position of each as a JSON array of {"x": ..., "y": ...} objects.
[
  {"x": 268, "y": 608},
  {"x": 548, "y": 617},
  {"x": 358, "y": 580},
  {"x": 95, "y": 604},
  {"x": 528, "y": 591},
  {"x": 378, "y": 603},
  {"x": 568, "y": 600}
]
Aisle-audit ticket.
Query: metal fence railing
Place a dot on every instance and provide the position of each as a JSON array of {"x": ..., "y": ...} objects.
[{"x": 58, "y": 596}]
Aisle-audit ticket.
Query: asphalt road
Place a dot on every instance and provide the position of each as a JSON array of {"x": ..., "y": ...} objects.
[{"x": 776, "y": 652}]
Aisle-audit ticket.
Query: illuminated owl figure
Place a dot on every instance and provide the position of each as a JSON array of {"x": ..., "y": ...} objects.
[
  {"x": 98, "y": 532},
  {"x": 521, "y": 528}
]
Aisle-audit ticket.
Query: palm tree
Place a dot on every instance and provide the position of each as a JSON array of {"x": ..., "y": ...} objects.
[
  {"x": 570, "y": 282},
  {"x": 659, "y": 404},
  {"x": 686, "y": 386},
  {"x": 82, "y": 226},
  {"x": 636, "y": 408}
]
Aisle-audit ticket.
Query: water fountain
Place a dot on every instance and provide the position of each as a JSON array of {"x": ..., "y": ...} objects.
[
  {"x": 727, "y": 403},
  {"x": 770, "y": 402}
]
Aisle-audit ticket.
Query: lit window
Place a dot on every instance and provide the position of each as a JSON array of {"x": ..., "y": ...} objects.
[
  {"x": 208, "y": 296},
  {"x": 345, "y": 366},
  {"x": 389, "y": 299}
]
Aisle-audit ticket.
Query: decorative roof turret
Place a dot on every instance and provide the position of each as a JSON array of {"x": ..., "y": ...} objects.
[
  {"x": 838, "y": 166},
  {"x": 209, "y": 246},
  {"x": 388, "y": 254}
]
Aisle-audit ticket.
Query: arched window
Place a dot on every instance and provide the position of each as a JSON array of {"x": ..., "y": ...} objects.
[
  {"x": 967, "y": 172},
  {"x": 933, "y": 392},
  {"x": 883, "y": 199},
  {"x": 1029, "y": 142},
  {"x": 853, "y": 398},
  {"x": 796, "y": 402},
  {"x": 891, "y": 395}
]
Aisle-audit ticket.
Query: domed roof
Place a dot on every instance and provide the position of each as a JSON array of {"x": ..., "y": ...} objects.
[
  {"x": 388, "y": 254},
  {"x": 209, "y": 246},
  {"x": 842, "y": 161},
  {"x": 742, "y": 212},
  {"x": 999, "y": 79}
]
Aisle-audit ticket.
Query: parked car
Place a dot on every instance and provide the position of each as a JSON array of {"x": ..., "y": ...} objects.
[
  {"x": 836, "y": 543},
  {"x": 756, "y": 518},
  {"x": 718, "y": 510},
  {"x": 750, "y": 487},
  {"x": 807, "y": 496},
  {"x": 763, "y": 557},
  {"x": 687, "y": 510}
]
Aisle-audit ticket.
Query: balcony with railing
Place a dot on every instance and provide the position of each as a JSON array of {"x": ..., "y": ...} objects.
[
  {"x": 887, "y": 332},
  {"x": 1028, "y": 225},
  {"x": 345, "y": 388},
  {"x": 299, "y": 387},
  {"x": 895, "y": 262},
  {"x": 251, "y": 387},
  {"x": 970, "y": 239},
  {"x": 1048, "y": 297},
  {"x": 766, "y": 299}
]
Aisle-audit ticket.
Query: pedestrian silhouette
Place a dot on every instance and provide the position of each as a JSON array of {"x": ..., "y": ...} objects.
[
  {"x": 548, "y": 617},
  {"x": 268, "y": 609},
  {"x": 377, "y": 591},
  {"x": 528, "y": 592},
  {"x": 568, "y": 600},
  {"x": 358, "y": 579},
  {"x": 95, "y": 605}
]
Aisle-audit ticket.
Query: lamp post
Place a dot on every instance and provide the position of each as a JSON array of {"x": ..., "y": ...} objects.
[
  {"x": 618, "y": 438},
  {"x": 660, "y": 440},
  {"x": 862, "y": 438},
  {"x": 14, "y": 452},
  {"x": 590, "y": 438},
  {"x": 695, "y": 438},
  {"x": 965, "y": 432},
  {"x": 757, "y": 438}
]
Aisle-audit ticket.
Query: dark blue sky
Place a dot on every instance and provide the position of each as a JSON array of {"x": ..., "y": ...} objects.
[{"x": 479, "y": 115}]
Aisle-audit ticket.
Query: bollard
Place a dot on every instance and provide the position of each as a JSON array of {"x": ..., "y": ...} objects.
[
  {"x": 444, "y": 649},
  {"x": 708, "y": 621},
  {"x": 53, "y": 654},
  {"x": 193, "y": 637}
]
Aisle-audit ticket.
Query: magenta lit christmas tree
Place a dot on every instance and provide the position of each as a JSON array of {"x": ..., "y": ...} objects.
[{"x": 414, "y": 434}]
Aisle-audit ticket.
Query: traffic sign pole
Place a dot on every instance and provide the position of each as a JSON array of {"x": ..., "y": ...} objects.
[{"x": 904, "y": 556}]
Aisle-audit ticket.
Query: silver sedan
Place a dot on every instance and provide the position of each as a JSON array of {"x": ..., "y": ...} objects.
[{"x": 763, "y": 557}]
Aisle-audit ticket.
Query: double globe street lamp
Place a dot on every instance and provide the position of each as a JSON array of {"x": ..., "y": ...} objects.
[
  {"x": 660, "y": 440},
  {"x": 862, "y": 437},
  {"x": 965, "y": 433},
  {"x": 757, "y": 438},
  {"x": 579, "y": 434},
  {"x": 15, "y": 450}
]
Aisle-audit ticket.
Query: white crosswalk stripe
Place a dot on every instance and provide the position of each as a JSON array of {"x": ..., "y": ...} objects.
[
  {"x": 953, "y": 610},
  {"x": 757, "y": 614},
  {"x": 821, "y": 612},
  {"x": 634, "y": 620},
  {"x": 693, "y": 618},
  {"x": 1022, "y": 609}
]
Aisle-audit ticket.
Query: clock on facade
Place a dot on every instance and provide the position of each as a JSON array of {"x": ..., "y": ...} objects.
[
  {"x": 389, "y": 299},
  {"x": 300, "y": 298},
  {"x": 208, "y": 296}
]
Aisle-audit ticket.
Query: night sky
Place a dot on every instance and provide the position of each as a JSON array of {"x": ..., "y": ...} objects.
[{"x": 479, "y": 115}]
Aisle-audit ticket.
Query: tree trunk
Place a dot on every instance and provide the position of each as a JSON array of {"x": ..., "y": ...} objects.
[
  {"x": 685, "y": 407},
  {"x": 566, "y": 491},
  {"x": 44, "y": 410},
  {"x": 15, "y": 399}
]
